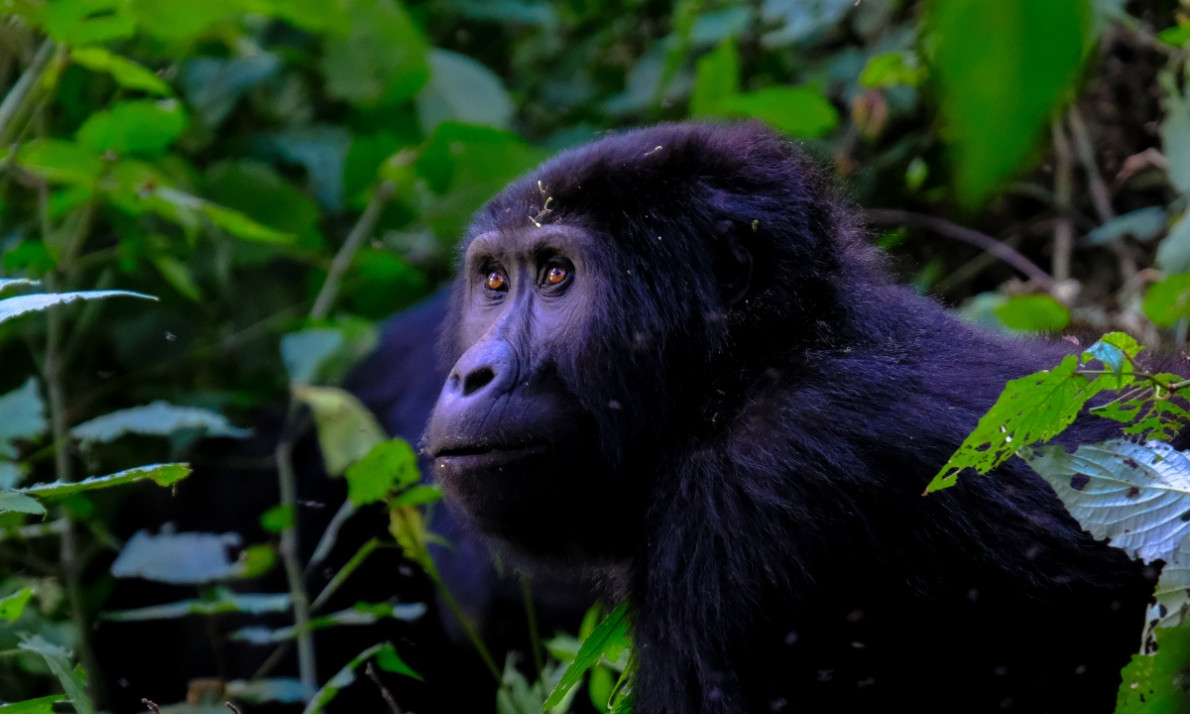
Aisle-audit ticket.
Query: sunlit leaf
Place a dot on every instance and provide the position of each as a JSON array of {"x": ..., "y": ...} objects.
[
  {"x": 797, "y": 111},
  {"x": 461, "y": 89},
  {"x": 11, "y": 606},
  {"x": 608, "y": 640},
  {"x": 58, "y": 660},
  {"x": 127, "y": 73},
  {"x": 40, "y": 705},
  {"x": 17, "y": 502},
  {"x": 60, "y": 161},
  {"x": 1033, "y": 313},
  {"x": 347, "y": 431},
  {"x": 220, "y": 602},
  {"x": 1143, "y": 224},
  {"x": 22, "y": 416},
  {"x": 21, "y": 304},
  {"x": 157, "y": 419},
  {"x": 178, "y": 558},
  {"x": 139, "y": 127},
  {"x": 1154, "y": 684},
  {"x": 389, "y": 466},
  {"x": 160, "y": 474},
  {"x": 716, "y": 79}
]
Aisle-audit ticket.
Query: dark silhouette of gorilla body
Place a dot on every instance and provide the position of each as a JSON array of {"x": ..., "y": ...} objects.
[{"x": 679, "y": 370}]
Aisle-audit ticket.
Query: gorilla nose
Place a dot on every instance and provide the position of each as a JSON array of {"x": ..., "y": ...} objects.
[{"x": 487, "y": 365}]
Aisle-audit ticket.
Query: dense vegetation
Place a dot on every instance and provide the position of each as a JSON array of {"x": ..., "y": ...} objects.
[{"x": 280, "y": 175}]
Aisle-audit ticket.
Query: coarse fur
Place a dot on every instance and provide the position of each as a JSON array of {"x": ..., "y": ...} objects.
[{"x": 729, "y": 403}]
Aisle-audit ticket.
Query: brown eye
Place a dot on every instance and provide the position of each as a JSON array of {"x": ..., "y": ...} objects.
[
  {"x": 556, "y": 275},
  {"x": 496, "y": 280}
]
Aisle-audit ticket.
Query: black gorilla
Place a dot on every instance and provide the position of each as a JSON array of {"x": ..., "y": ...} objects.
[{"x": 679, "y": 370}]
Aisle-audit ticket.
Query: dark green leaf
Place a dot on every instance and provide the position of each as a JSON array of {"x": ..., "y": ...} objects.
[
  {"x": 277, "y": 519},
  {"x": 1033, "y": 313},
  {"x": 127, "y": 73},
  {"x": 137, "y": 127},
  {"x": 382, "y": 60},
  {"x": 716, "y": 80},
  {"x": 607, "y": 641}
]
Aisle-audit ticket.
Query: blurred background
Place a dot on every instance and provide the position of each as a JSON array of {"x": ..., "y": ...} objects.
[{"x": 284, "y": 175}]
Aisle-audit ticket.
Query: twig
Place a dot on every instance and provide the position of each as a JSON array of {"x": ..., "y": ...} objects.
[
  {"x": 18, "y": 97},
  {"x": 1063, "y": 227},
  {"x": 388, "y": 696},
  {"x": 355, "y": 239},
  {"x": 1100, "y": 197},
  {"x": 287, "y": 481},
  {"x": 943, "y": 227},
  {"x": 151, "y": 705}
]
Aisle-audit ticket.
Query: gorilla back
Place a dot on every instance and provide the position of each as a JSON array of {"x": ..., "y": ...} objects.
[{"x": 678, "y": 367}]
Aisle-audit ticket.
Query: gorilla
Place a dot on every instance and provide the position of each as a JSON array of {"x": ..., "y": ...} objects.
[{"x": 680, "y": 373}]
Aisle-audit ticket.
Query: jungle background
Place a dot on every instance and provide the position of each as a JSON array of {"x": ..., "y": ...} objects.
[{"x": 280, "y": 176}]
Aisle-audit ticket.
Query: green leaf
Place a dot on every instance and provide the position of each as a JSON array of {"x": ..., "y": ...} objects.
[
  {"x": 1143, "y": 224},
  {"x": 40, "y": 705},
  {"x": 1155, "y": 684},
  {"x": 1177, "y": 35},
  {"x": 60, "y": 161},
  {"x": 178, "y": 558},
  {"x": 419, "y": 495},
  {"x": 168, "y": 201},
  {"x": 58, "y": 660},
  {"x": 11, "y": 606},
  {"x": 382, "y": 60},
  {"x": 159, "y": 418},
  {"x": 142, "y": 126},
  {"x": 305, "y": 353},
  {"x": 220, "y": 602},
  {"x": 389, "y": 661},
  {"x": 160, "y": 474},
  {"x": 15, "y": 282},
  {"x": 716, "y": 79},
  {"x": 1001, "y": 70},
  {"x": 1032, "y": 408},
  {"x": 22, "y": 416},
  {"x": 1133, "y": 494},
  {"x": 128, "y": 74},
  {"x": 278, "y": 518},
  {"x": 389, "y": 466},
  {"x": 259, "y": 192},
  {"x": 1171, "y": 603},
  {"x": 343, "y": 678},
  {"x": 608, "y": 640},
  {"x": 179, "y": 22},
  {"x": 461, "y": 89},
  {"x": 16, "y": 306},
  {"x": 1173, "y": 253},
  {"x": 1033, "y": 313},
  {"x": 17, "y": 502},
  {"x": 1168, "y": 301},
  {"x": 87, "y": 22},
  {"x": 1175, "y": 132},
  {"x": 347, "y": 431},
  {"x": 1115, "y": 350},
  {"x": 891, "y": 69},
  {"x": 797, "y": 111},
  {"x": 259, "y": 691}
]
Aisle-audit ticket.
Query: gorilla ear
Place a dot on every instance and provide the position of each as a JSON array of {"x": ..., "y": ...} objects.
[{"x": 733, "y": 264}]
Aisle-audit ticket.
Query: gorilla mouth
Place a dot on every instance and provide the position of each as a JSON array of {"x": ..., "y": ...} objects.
[{"x": 489, "y": 453}]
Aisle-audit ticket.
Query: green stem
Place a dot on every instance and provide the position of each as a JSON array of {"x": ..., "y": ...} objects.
[
  {"x": 22, "y": 94},
  {"x": 355, "y": 240},
  {"x": 287, "y": 481}
]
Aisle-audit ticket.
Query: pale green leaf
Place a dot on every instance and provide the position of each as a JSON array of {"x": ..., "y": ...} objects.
[
  {"x": 22, "y": 416},
  {"x": 58, "y": 660},
  {"x": 258, "y": 691},
  {"x": 304, "y": 353},
  {"x": 716, "y": 79},
  {"x": 159, "y": 418},
  {"x": 1143, "y": 224},
  {"x": 178, "y": 558},
  {"x": 127, "y": 73},
  {"x": 15, "y": 282},
  {"x": 220, "y": 602},
  {"x": 11, "y": 606},
  {"x": 142, "y": 126},
  {"x": 389, "y": 466},
  {"x": 461, "y": 89},
  {"x": 347, "y": 431},
  {"x": 1173, "y": 253},
  {"x": 1175, "y": 132},
  {"x": 21, "y": 304},
  {"x": 17, "y": 502},
  {"x": 160, "y": 474},
  {"x": 40, "y": 705}
]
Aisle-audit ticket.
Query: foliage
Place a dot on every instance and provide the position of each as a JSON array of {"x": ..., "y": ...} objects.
[{"x": 281, "y": 174}]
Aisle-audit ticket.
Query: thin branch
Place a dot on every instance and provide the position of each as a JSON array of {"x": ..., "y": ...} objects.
[
  {"x": 287, "y": 480},
  {"x": 355, "y": 240},
  {"x": 388, "y": 696},
  {"x": 943, "y": 227},
  {"x": 1063, "y": 189},
  {"x": 18, "y": 98},
  {"x": 1100, "y": 196}
]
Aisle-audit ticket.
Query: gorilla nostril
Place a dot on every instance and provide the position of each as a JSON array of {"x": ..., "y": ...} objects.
[{"x": 477, "y": 379}]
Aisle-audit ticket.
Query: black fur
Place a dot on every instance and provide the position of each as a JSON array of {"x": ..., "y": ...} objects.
[{"x": 730, "y": 413}]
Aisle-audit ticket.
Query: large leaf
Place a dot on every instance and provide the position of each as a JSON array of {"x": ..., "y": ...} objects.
[
  {"x": 58, "y": 660},
  {"x": 17, "y": 502},
  {"x": 1173, "y": 254},
  {"x": 1001, "y": 68},
  {"x": 1135, "y": 495},
  {"x": 797, "y": 111},
  {"x": 178, "y": 558},
  {"x": 389, "y": 466},
  {"x": 21, "y": 304},
  {"x": 461, "y": 89},
  {"x": 221, "y": 601},
  {"x": 1155, "y": 684},
  {"x": 137, "y": 127},
  {"x": 1175, "y": 132},
  {"x": 160, "y": 474},
  {"x": 609, "y": 639},
  {"x": 60, "y": 161},
  {"x": 22, "y": 416},
  {"x": 382, "y": 59},
  {"x": 128, "y": 74},
  {"x": 347, "y": 431},
  {"x": 716, "y": 79},
  {"x": 40, "y": 705},
  {"x": 157, "y": 419}
]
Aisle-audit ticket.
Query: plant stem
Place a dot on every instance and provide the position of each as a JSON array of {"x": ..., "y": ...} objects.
[
  {"x": 355, "y": 239},
  {"x": 17, "y": 100},
  {"x": 287, "y": 481}
]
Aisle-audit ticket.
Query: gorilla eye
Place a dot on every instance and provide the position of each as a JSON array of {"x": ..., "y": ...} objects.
[
  {"x": 497, "y": 281},
  {"x": 556, "y": 275}
]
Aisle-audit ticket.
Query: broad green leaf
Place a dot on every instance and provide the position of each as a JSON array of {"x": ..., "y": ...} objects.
[
  {"x": 58, "y": 660},
  {"x": 234, "y": 222},
  {"x": 1173, "y": 253},
  {"x": 304, "y": 353},
  {"x": 1172, "y": 596},
  {"x": 128, "y": 74},
  {"x": 608, "y": 640},
  {"x": 461, "y": 89},
  {"x": 1115, "y": 350},
  {"x": 1154, "y": 684},
  {"x": 1175, "y": 132},
  {"x": 389, "y": 661},
  {"x": 17, "y": 502},
  {"x": 1001, "y": 70},
  {"x": 259, "y": 192},
  {"x": 256, "y": 560},
  {"x": 11, "y": 606},
  {"x": 87, "y": 22},
  {"x": 418, "y": 495},
  {"x": 220, "y": 602},
  {"x": 1143, "y": 224},
  {"x": 22, "y": 416},
  {"x": 382, "y": 60},
  {"x": 60, "y": 161},
  {"x": 40, "y": 705},
  {"x": 214, "y": 86},
  {"x": 1032, "y": 408},
  {"x": 278, "y": 518},
  {"x": 178, "y": 558},
  {"x": 1177, "y": 35},
  {"x": 142, "y": 126},
  {"x": 891, "y": 69},
  {"x": 15, "y": 282},
  {"x": 157, "y": 419},
  {"x": 1135, "y": 495},
  {"x": 797, "y": 111},
  {"x": 389, "y": 466},
  {"x": 1033, "y": 313},
  {"x": 160, "y": 474},
  {"x": 21, "y": 304},
  {"x": 716, "y": 79},
  {"x": 321, "y": 149},
  {"x": 347, "y": 431},
  {"x": 1168, "y": 301},
  {"x": 179, "y": 22}
]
